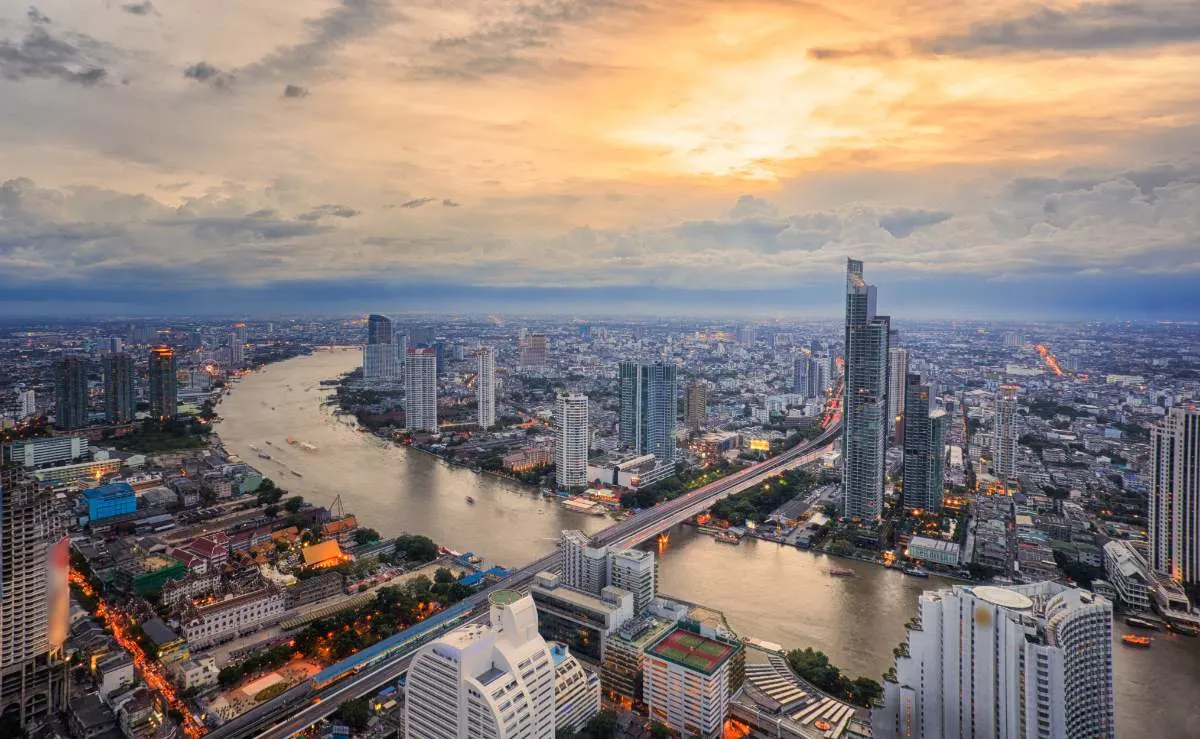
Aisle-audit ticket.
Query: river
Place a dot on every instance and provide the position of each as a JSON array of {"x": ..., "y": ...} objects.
[{"x": 767, "y": 591}]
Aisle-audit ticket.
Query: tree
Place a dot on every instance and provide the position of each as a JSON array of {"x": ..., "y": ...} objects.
[
  {"x": 272, "y": 511},
  {"x": 355, "y": 714},
  {"x": 443, "y": 575},
  {"x": 365, "y": 536},
  {"x": 602, "y": 726},
  {"x": 658, "y": 731},
  {"x": 293, "y": 504},
  {"x": 416, "y": 548}
]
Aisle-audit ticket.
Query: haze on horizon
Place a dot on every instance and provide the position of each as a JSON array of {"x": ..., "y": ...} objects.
[{"x": 1007, "y": 159}]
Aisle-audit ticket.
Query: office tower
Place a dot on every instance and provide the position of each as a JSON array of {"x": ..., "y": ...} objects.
[
  {"x": 634, "y": 570},
  {"x": 582, "y": 564},
  {"x": 237, "y": 351},
  {"x": 420, "y": 390},
  {"x": 439, "y": 355},
  {"x": 571, "y": 439},
  {"x": 380, "y": 362},
  {"x": 26, "y": 404},
  {"x": 240, "y": 330},
  {"x": 576, "y": 690},
  {"x": 688, "y": 681},
  {"x": 1175, "y": 495},
  {"x": 379, "y": 329},
  {"x": 648, "y": 406},
  {"x": 746, "y": 335},
  {"x": 865, "y": 402},
  {"x": 484, "y": 681},
  {"x": 897, "y": 372},
  {"x": 1004, "y": 440},
  {"x": 485, "y": 387},
  {"x": 533, "y": 350},
  {"x": 422, "y": 336},
  {"x": 71, "y": 393},
  {"x": 924, "y": 448},
  {"x": 809, "y": 375},
  {"x": 1025, "y": 662},
  {"x": 164, "y": 389},
  {"x": 33, "y": 598},
  {"x": 832, "y": 373},
  {"x": 113, "y": 345},
  {"x": 120, "y": 398},
  {"x": 696, "y": 401}
]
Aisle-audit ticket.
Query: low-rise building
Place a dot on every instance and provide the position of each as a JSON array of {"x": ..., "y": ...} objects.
[
  {"x": 145, "y": 575},
  {"x": 78, "y": 472},
  {"x": 580, "y": 620},
  {"x": 197, "y": 673},
  {"x": 51, "y": 450},
  {"x": 222, "y": 619},
  {"x": 925, "y": 549},
  {"x": 625, "y": 656},
  {"x": 630, "y": 472},
  {"x": 1129, "y": 574},
  {"x": 88, "y": 717},
  {"x": 106, "y": 501},
  {"x": 177, "y": 592},
  {"x": 168, "y": 645},
  {"x": 312, "y": 590},
  {"x": 114, "y": 672}
]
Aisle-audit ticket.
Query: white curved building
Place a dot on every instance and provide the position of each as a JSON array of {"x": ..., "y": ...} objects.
[
  {"x": 576, "y": 690},
  {"x": 481, "y": 682},
  {"x": 1022, "y": 662}
]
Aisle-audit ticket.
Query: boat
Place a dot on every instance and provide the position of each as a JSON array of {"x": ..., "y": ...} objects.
[
  {"x": 840, "y": 572},
  {"x": 1134, "y": 640},
  {"x": 291, "y": 440},
  {"x": 308, "y": 446},
  {"x": 1185, "y": 629},
  {"x": 470, "y": 500},
  {"x": 297, "y": 474},
  {"x": 1141, "y": 623},
  {"x": 264, "y": 455},
  {"x": 268, "y": 442},
  {"x": 915, "y": 572},
  {"x": 727, "y": 538}
]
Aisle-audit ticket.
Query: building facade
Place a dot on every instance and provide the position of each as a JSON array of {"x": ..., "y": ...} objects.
[
  {"x": 571, "y": 435},
  {"x": 648, "y": 404},
  {"x": 696, "y": 402},
  {"x": 687, "y": 682},
  {"x": 1175, "y": 495},
  {"x": 634, "y": 570},
  {"x": 1026, "y": 661},
  {"x": 865, "y": 399},
  {"x": 1004, "y": 440},
  {"x": 484, "y": 682},
  {"x": 42, "y": 452},
  {"x": 164, "y": 383},
  {"x": 897, "y": 383},
  {"x": 71, "y": 393},
  {"x": 576, "y": 691},
  {"x": 924, "y": 448},
  {"x": 120, "y": 394},
  {"x": 420, "y": 390},
  {"x": 228, "y": 618},
  {"x": 533, "y": 350},
  {"x": 485, "y": 387}
]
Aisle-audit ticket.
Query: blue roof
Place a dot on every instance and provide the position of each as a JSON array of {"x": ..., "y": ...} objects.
[
  {"x": 111, "y": 490},
  {"x": 472, "y": 579},
  {"x": 558, "y": 652}
]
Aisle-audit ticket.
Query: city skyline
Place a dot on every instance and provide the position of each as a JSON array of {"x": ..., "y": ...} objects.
[{"x": 321, "y": 145}]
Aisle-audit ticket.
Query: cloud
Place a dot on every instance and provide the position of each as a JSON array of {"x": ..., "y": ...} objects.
[
  {"x": 142, "y": 8},
  {"x": 45, "y": 56},
  {"x": 337, "y": 211},
  {"x": 348, "y": 21},
  {"x": 416, "y": 202},
  {"x": 36, "y": 16},
  {"x": 295, "y": 91},
  {"x": 749, "y": 205},
  {"x": 448, "y": 203},
  {"x": 901, "y": 223},
  {"x": 208, "y": 74}
]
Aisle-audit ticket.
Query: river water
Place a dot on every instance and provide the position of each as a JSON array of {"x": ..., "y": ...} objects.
[{"x": 774, "y": 593}]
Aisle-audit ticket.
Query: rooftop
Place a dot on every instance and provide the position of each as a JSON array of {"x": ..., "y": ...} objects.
[
  {"x": 1003, "y": 597},
  {"x": 692, "y": 651},
  {"x": 112, "y": 490}
]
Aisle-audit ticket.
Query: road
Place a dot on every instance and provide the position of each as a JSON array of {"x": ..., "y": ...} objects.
[{"x": 627, "y": 533}]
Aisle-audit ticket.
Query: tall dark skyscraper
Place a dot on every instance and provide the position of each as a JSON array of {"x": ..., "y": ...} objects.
[
  {"x": 120, "y": 399},
  {"x": 864, "y": 436},
  {"x": 164, "y": 388},
  {"x": 924, "y": 447},
  {"x": 808, "y": 376},
  {"x": 379, "y": 329},
  {"x": 649, "y": 402},
  {"x": 71, "y": 393}
]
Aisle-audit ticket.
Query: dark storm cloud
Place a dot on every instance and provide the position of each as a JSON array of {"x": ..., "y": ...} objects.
[
  {"x": 42, "y": 55},
  {"x": 143, "y": 8},
  {"x": 36, "y": 16},
  {"x": 901, "y": 223},
  {"x": 208, "y": 74},
  {"x": 295, "y": 91},
  {"x": 1084, "y": 28},
  {"x": 337, "y": 211}
]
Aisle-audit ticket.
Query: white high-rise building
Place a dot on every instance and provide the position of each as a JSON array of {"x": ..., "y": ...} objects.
[
  {"x": 582, "y": 565},
  {"x": 26, "y": 404},
  {"x": 1021, "y": 662},
  {"x": 237, "y": 351},
  {"x": 636, "y": 571},
  {"x": 485, "y": 387},
  {"x": 1004, "y": 440},
  {"x": 484, "y": 682},
  {"x": 897, "y": 371},
  {"x": 576, "y": 690},
  {"x": 1175, "y": 495},
  {"x": 420, "y": 390},
  {"x": 571, "y": 439}
]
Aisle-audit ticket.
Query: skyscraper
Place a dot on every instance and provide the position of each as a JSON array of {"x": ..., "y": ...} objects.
[
  {"x": 696, "y": 401},
  {"x": 420, "y": 390},
  {"x": 533, "y": 350},
  {"x": 33, "y": 597},
  {"x": 635, "y": 570},
  {"x": 379, "y": 329},
  {"x": 237, "y": 351},
  {"x": 924, "y": 446},
  {"x": 485, "y": 387},
  {"x": 809, "y": 375},
  {"x": 381, "y": 355},
  {"x": 1174, "y": 498},
  {"x": 648, "y": 404},
  {"x": 571, "y": 439},
  {"x": 423, "y": 336},
  {"x": 582, "y": 564},
  {"x": 164, "y": 385},
  {"x": 1004, "y": 441},
  {"x": 26, "y": 404},
  {"x": 897, "y": 372},
  {"x": 1020, "y": 662},
  {"x": 864, "y": 435},
  {"x": 71, "y": 393},
  {"x": 484, "y": 682},
  {"x": 120, "y": 398}
]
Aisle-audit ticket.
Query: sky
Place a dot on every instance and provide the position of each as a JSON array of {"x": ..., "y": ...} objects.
[{"x": 999, "y": 159}]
